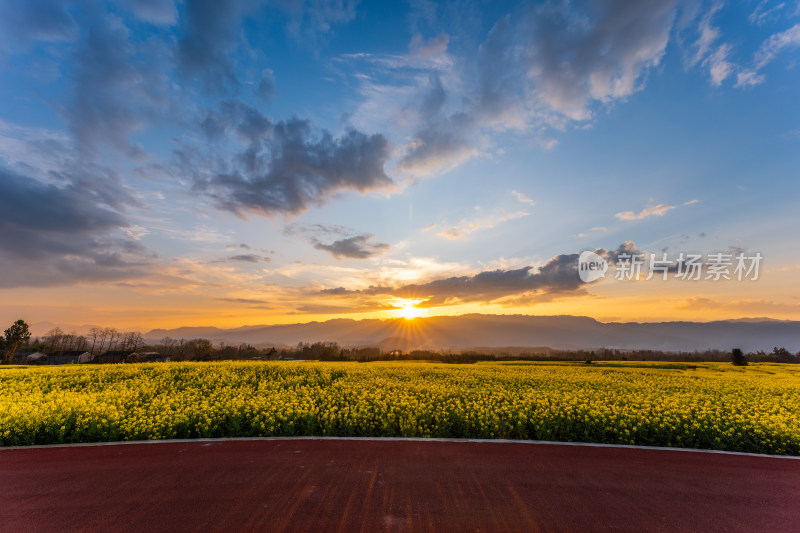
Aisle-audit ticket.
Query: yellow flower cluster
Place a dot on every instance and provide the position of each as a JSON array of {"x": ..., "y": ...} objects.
[{"x": 708, "y": 405}]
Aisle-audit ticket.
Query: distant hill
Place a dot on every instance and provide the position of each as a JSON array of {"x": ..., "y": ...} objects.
[
  {"x": 492, "y": 331},
  {"x": 185, "y": 333}
]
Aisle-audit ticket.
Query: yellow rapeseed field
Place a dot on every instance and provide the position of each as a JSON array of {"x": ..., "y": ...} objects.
[{"x": 708, "y": 405}]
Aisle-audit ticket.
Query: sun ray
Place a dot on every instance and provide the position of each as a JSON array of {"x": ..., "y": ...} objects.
[{"x": 407, "y": 308}]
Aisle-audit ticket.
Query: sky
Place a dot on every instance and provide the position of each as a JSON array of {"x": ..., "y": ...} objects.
[{"x": 171, "y": 163}]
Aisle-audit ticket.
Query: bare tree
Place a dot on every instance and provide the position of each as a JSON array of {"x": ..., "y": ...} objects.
[
  {"x": 69, "y": 342},
  {"x": 81, "y": 343},
  {"x": 93, "y": 335},
  {"x": 131, "y": 340},
  {"x": 53, "y": 339},
  {"x": 168, "y": 346},
  {"x": 102, "y": 335},
  {"x": 113, "y": 338},
  {"x": 137, "y": 340},
  {"x": 123, "y": 341}
]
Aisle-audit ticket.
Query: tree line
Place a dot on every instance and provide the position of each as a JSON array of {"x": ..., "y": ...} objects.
[{"x": 103, "y": 340}]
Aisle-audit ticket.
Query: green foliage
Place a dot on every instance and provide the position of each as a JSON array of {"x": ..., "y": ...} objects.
[{"x": 16, "y": 336}]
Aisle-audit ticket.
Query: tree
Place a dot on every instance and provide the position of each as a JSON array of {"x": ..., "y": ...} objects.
[
  {"x": 94, "y": 333},
  {"x": 113, "y": 338},
  {"x": 738, "y": 358},
  {"x": 131, "y": 341},
  {"x": 15, "y": 336},
  {"x": 53, "y": 339},
  {"x": 782, "y": 355},
  {"x": 102, "y": 335},
  {"x": 168, "y": 347},
  {"x": 200, "y": 349}
]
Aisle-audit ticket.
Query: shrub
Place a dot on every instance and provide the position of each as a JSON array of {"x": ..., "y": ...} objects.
[{"x": 738, "y": 358}]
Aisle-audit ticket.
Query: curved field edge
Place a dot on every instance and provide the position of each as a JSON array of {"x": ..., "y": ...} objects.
[{"x": 707, "y": 405}]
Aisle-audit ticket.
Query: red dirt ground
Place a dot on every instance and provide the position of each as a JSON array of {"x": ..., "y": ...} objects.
[{"x": 390, "y": 485}]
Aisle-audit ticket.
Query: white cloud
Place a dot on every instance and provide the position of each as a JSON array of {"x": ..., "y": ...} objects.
[
  {"x": 718, "y": 66},
  {"x": 776, "y": 44},
  {"x": 762, "y": 13},
  {"x": 467, "y": 226},
  {"x": 656, "y": 210},
  {"x": 766, "y": 53},
  {"x": 712, "y": 57},
  {"x": 708, "y": 34},
  {"x": 522, "y": 198},
  {"x": 749, "y": 78},
  {"x": 595, "y": 229}
]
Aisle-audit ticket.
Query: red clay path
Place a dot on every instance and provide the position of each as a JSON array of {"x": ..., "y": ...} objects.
[{"x": 370, "y": 486}]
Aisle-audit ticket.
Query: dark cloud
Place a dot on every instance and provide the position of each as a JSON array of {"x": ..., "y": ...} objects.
[
  {"x": 559, "y": 275},
  {"x": 248, "y": 258},
  {"x": 349, "y": 245},
  {"x": 209, "y": 33},
  {"x": 266, "y": 89},
  {"x": 444, "y": 140},
  {"x": 249, "y": 301},
  {"x": 434, "y": 99},
  {"x": 37, "y": 219},
  {"x": 338, "y": 291},
  {"x": 357, "y": 247},
  {"x": 23, "y": 22},
  {"x": 116, "y": 90},
  {"x": 542, "y": 66},
  {"x": 580, "y": 52},
  {"x": 612, "y": 256},
  {"x": 440, "y": 144},
  {"x": 499, "y": 89},
  {"x": 315, "y": 229},
  {"x": 284, "y": 167},
  {"x": 556, "y": 278},
  {"x": 58, "y": 234}
]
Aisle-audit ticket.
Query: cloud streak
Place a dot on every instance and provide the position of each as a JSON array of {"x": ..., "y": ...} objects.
[
  {"x": 467, "y": 226},
  {"x": 766, "y": 53},
  {"x": 356, "y": 247},
  {"x": 656, "y": 210}
]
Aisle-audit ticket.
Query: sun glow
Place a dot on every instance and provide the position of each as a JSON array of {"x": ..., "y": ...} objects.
[{"x": 408, "y": 309}]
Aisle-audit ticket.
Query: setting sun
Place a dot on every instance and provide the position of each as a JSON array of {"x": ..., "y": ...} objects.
[{"x": 408, "y": 309}]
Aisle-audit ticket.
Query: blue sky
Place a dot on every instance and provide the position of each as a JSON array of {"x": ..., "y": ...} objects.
[{"x": 172, "y": 162}]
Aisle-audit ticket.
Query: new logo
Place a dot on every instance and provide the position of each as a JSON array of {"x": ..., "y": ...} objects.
[{"x": 591, "y": 267}]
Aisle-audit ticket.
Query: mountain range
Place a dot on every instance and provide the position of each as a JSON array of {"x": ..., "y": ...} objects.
[{"x": 494, "y": 331}]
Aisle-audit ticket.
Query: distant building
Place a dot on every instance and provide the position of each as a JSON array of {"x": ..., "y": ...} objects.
[
  {"x": 35, "y": 358},
  {"x": 147, "y": 357},
  {"x": 70, "y": 357},
  {"x": 114, "y": 356},
  {"x": 28, "y": 358}
]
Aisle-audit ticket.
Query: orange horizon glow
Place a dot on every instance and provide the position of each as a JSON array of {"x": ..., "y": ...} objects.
[{"x": 129, "y": 310}]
